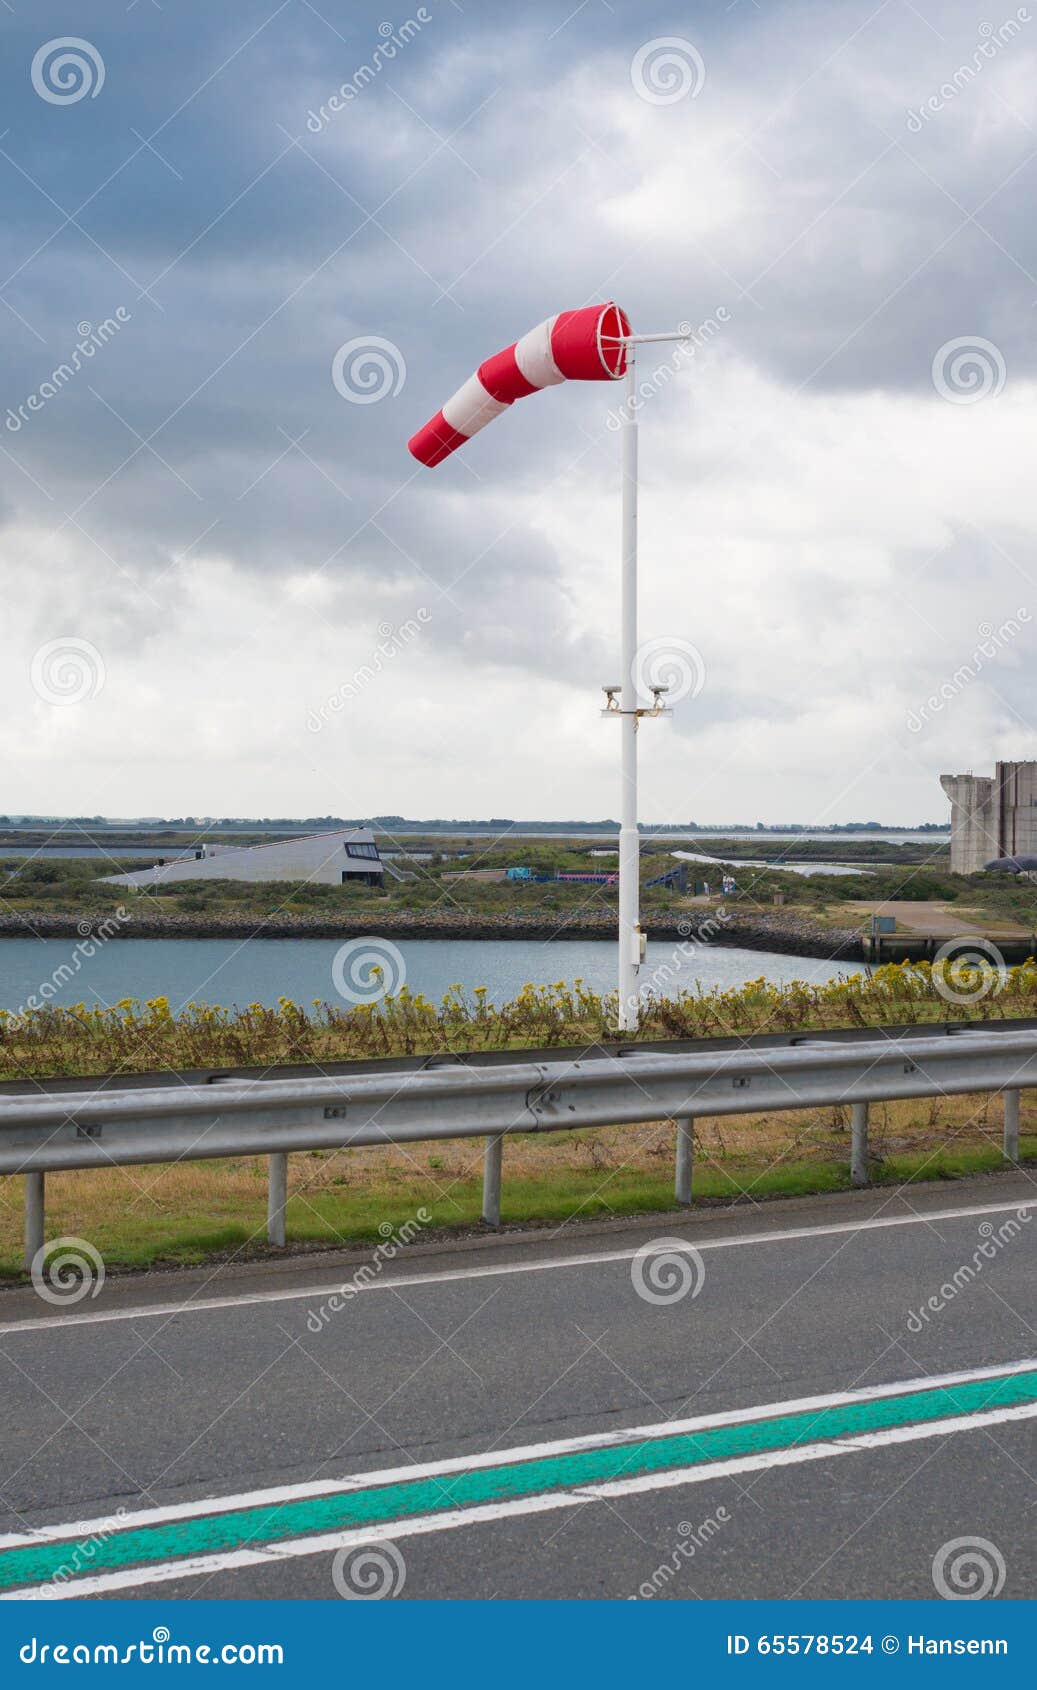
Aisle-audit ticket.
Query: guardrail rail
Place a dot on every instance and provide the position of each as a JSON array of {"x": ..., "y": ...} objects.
[{"x": 143, "y": 1118}]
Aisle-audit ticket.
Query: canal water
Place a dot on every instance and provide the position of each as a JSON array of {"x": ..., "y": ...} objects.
[{"x": 228, "y": 971}]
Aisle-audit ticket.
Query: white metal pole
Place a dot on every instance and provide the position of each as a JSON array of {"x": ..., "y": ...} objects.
[{"x": 629, "y": 847}]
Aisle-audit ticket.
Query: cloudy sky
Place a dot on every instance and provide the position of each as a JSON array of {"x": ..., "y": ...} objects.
[{"x": 227, "y": 588}]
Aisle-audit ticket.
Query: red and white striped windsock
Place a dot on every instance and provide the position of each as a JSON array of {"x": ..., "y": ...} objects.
[{"x": 584, "y": 345}]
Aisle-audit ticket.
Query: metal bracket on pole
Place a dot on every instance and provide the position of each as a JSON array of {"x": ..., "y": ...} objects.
[
  {"x": 645, "y": 339},
  {"x": 543, "y": 1100},
  {"x": 657, "y": 708}
]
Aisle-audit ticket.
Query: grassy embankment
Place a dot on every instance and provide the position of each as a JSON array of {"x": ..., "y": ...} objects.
[{"x": 190, "y": 1211}]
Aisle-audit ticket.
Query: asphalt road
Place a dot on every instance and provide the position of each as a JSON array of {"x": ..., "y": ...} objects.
[{"x": 528, "y": 1353}]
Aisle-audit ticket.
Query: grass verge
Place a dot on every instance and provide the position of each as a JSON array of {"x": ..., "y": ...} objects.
[{"x": 189, "y": 1213}]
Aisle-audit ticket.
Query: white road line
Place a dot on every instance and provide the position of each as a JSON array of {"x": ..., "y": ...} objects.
[
  {"x": 130, "y": 1578},
  {"x": 203, "y": 1506},
  {"x": 205, "y": 1305}
]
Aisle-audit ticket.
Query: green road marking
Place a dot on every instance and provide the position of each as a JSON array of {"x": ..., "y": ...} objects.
[{"x": 262, "y": 1524}]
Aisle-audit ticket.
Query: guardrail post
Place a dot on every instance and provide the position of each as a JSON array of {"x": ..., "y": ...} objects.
[
  {"x": 491, "y": 1171},
  {"x": 1011, "y": 1126},
  {"x": 685, "y": 1150},
  {"x": 276, "y": 1197},
  {"x": 34, "y": 1187},
  {"x": 859, "y": 1144}
]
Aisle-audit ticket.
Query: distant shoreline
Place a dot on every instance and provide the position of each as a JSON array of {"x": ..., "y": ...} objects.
[{"x": 699, "y": 928}]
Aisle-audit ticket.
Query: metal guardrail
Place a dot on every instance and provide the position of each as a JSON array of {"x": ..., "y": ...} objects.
[{"x": 235, "y": 1115}]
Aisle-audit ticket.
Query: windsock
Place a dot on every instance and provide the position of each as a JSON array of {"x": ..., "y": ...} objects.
[{"x": 583, "y": 345}]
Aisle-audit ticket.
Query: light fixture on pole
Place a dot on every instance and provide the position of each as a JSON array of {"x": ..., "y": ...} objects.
[{"x": 593, "y": 343}]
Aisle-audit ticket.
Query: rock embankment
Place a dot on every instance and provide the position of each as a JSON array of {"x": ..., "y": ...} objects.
[{"x": 782, "y": 931}]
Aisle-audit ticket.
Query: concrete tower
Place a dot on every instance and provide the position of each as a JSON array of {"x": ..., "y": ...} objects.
[{"x": 992, "y": 817}]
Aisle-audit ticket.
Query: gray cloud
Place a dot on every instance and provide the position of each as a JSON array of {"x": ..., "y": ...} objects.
[{"x": 496, "y": 169}]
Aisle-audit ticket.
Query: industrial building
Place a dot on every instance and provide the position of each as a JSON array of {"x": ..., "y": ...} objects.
[
  {"x": 992, "y": 817},
  {"x": 325, "y": 859}
]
